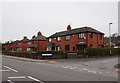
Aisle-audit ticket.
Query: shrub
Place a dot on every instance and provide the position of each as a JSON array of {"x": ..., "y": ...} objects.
[{"x": 102, "y": 51}]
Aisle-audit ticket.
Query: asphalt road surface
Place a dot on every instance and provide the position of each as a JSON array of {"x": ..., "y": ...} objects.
[{"x": 14, "y": 70}]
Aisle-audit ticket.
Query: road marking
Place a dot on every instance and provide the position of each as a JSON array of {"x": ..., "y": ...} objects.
[
  {"x": 17, "y": 77},
  {"x": 39, "y": 63},
  {"x": 84, "y": 69},
  {"x": 75, "y": 67},
  {"x": 110, "y": 60},
  {"x": 107, "y": 72},
  {"x": 94, "y": 71},
  {"x": 4, "y": 70},
  {"x": 65, "y": 66},
  {"x": 89, "y": 71},
  {"x": 35, "y": 79},
  {"x": 10, "y": 81},
  {"x": 10, "y": 69},
  {"x": 71, "y": 68}
]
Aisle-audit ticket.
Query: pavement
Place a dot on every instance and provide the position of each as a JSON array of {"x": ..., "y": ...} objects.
[{"x": 16, "y": 69}]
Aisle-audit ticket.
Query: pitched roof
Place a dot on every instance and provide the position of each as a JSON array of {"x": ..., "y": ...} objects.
[
  {"x": 39, "y": 37},
  {"x": 74, "y": 31},
  {"x": 24, "y": 40},
  {"x": 17, "y": 41}
]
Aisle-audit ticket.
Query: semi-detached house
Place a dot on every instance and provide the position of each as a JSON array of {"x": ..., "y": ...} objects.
[
  {"x": 75, "y": 39},
  {"x": 37, "y": 43}
]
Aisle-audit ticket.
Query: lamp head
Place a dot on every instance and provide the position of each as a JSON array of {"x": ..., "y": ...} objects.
[{"x": 111, "y": 23}]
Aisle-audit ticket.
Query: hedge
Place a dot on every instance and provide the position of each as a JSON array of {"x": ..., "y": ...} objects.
[
  {"x": 34, "y": 55},
  {"x": 90, "y": 52},
  {"x": 102, "y": 51}
]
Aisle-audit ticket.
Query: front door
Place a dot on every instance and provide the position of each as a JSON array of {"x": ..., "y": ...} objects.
[{"x": 53, "y": 48}]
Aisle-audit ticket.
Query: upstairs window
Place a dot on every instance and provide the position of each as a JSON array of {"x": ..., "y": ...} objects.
[
  {"x": 49, "y": 40},
  {"x": 29, "y": 43},
  {"x": 19, "y": 44},
  {"x": 100, "y": 36},
  {"x": 81, "y": 36},
  {"x": 91, "y": 35},
  {"x": 58, "y": 38},
  {"x": 32, "y": 42},
  {"x": 67, "y": 37}
]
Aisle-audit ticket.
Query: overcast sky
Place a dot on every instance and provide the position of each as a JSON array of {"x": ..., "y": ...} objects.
[{"x": 27, "y": 18}]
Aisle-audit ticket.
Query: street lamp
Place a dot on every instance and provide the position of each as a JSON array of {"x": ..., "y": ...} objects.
[{"x": 110, "y": 37}]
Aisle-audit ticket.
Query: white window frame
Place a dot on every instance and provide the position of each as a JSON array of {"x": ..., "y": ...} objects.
[
  {"x": 58, "y": 48},
  {"x": 49, "y": 40},
  {"x": 81, "y": 35},
  {"x": 29, "y": 43},
  {"x": 58, "y": 38},
  {"x": 67, "y": 37},
  {"x": 19, "y": 44}
]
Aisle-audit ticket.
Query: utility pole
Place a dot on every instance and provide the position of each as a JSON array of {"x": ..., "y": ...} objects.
[{"x": 110, "y": 38}]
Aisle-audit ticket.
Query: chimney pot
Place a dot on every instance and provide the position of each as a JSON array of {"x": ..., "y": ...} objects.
[
  {"x": 39, "y": 33},
  {"x": 68, "y": 27},
  {"x": 25, "y": 37}
]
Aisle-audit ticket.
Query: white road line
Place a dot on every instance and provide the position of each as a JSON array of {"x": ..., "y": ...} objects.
[
  {"x": 10, "y": 69},
  {"x": 71, "y": 68},
  {"x": 10, "y": 81},
  {"x": 39, "y": 63},
  {"x": 110, "y": 60},
  {"x": 4, "y": 70},
  {"x": 84, "y": 69},
  {"x": 64, "y": 66},
  {"x": 107, "y": 72},
  {"x": 17, "y": 77},
  {"x": 94, "y": 71},
  {"x": 35, "y": 79},
  {"x": 89, "y": 71}
]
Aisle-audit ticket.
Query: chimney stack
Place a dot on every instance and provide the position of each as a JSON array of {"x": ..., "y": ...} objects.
[
  {"x": 39, "y": 33},
  {"x": 68, "y": 27},
  {"x": 25, "y": 37}
]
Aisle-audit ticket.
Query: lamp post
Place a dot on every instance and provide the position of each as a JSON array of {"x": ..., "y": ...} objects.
[{"x": 110, "y": 37}]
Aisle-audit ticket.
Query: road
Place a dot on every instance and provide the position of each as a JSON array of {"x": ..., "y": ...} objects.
[{"x": 14, "y": 70}]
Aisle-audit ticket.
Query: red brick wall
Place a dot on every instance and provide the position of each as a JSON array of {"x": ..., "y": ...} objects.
[
  {"x": 24, "y": 46},
  {"x": 75, "y": 40},
  {"x": 72, "y": 42},
  {"x": 13, "y": 46},
  {"x": 41, "y": 45},
  {"x": 7, "y": 47},
  {"x": 95, "y": 40}
]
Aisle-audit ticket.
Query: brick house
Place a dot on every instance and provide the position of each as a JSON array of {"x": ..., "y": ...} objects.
[
  {"x": 75, "y": 39},
  {"x": 15, "y": 45},
  {"x": 6, "y": 46},
  {"x": 37, "y": 43},
  {"x": 22, "y": 44}
]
